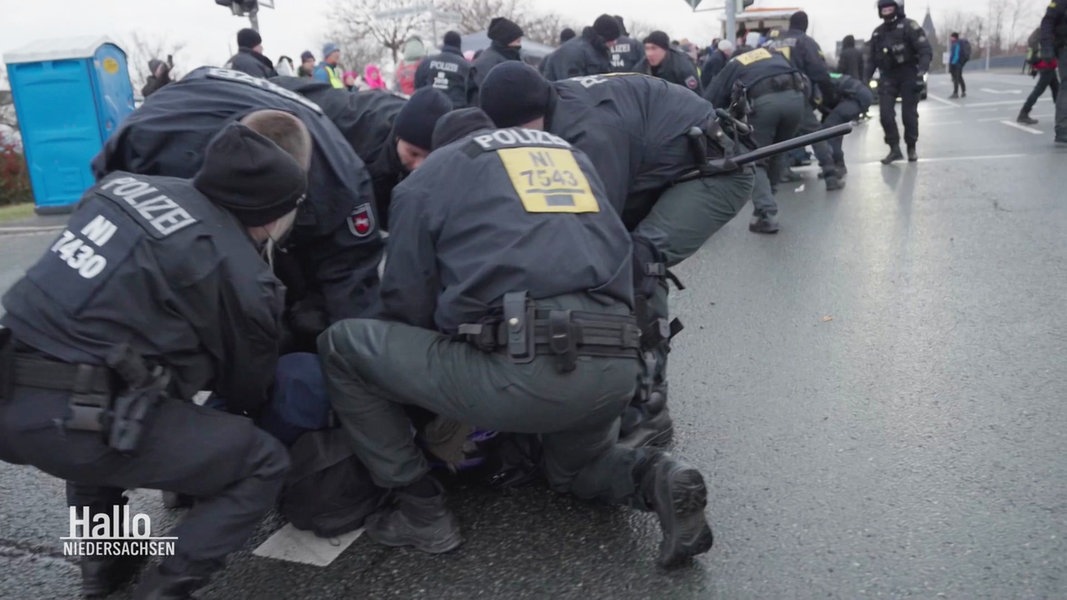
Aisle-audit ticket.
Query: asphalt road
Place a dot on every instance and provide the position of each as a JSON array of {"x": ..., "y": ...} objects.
[{"x": 875, "y": 394}]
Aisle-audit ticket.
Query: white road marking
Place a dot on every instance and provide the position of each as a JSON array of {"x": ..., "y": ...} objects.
[
  {"x": 959, "y": 158},
  {"x": 936, "y": 123},
  {"x": 987, "y": 90},
  {"x": 1023, "y": 128},
  {"x": 940, "y": 99},
  {"x": 990, "y": 119},
  {"x": 294, "y": 545},
  {"x": 984, "y": 104}
]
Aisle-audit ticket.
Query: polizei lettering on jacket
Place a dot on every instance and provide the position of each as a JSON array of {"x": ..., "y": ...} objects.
[
  {"x": 158, "y": 210},
  {"x": 437, "y": 65},
  {"x": 515, "y": 138}
]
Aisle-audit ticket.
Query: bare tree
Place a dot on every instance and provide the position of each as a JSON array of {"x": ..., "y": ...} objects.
[
  {"x": 140, "y": 49},
  {"x": 388, "y": 22},
  {"x": 639, "y": 29},
  {"x": 1021, "y": 13},
  {"x": 475, "y": 15},
  {"x": 998, "y": 15}
]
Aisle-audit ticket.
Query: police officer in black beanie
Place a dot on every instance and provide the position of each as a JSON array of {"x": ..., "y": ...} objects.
[
  {"x": 506, "y": 38},
  {"x": 249, "y": 58},
  {"x": 414, "y": 126},
  {"x": 448, "y": 72},
  {"x": 158, "y": 288},
  {"x": 615, "y": 121},
  {"x": 589, "y": 54},
  {"x": 668, "y": 63}
]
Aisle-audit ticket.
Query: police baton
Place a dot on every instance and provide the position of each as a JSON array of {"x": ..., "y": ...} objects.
[{"x": 732, "y": 163}]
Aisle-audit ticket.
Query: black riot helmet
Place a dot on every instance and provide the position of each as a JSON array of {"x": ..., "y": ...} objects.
[{"x": 896, "y": 5}]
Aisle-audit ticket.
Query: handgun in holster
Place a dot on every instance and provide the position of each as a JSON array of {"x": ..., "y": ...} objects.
[{"x": 132, "y": 407}]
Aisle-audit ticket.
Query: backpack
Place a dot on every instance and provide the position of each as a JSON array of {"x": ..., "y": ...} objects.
[
  {"x": 965, "y": 51},
  {"x": 328, "y": 491}
]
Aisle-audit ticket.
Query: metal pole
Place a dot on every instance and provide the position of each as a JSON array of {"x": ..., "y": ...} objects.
[
  {"x": 254, "y": 18},
  {"x": 731, "y": 20}
]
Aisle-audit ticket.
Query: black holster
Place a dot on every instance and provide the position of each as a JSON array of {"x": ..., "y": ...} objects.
[{"x": 132, "y": 408}]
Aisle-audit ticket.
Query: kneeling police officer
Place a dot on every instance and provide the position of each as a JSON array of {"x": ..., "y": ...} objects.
[
  {"x": 493, "y": 322},
  {"x": 157, "y": 289},
  {"x": 636, "y": 131}
]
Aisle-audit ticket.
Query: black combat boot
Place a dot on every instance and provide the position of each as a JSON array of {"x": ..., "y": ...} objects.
[
  {"x": 1025, "y": 119},
  {"x": 764, "y": 224},
  {"x": 913, "y": 155},
  {"x": 103, "y": 575},
  {"x": 842, "y": 170},
  {"x": 834, "y": 181},
  {"x": 159, "y": 584},
  {"x": 419, "y": 518},
  {"x": 894, "y": 155},
  {"x": 675, "y": 491}
]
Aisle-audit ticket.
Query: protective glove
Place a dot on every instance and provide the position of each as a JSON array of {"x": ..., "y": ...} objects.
[
  {"x": 919, "y": 83},
  {"x": 1046, "y": 65}
]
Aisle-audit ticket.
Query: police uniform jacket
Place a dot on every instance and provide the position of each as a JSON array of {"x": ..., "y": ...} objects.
[
  {"x": 502, "y": 211},
  {"x": 1054, "y": 28},
  {"x": 625, "y": 54},
  {"x": 366, "y": 120},
  {"x": 715, "y": 63},
  {"x": 448, "y": 72},
  {"x": 748, "y": 69},
  {"x": 586, "y": 54},
  {"x": 677, "y": 68},
  {"x": 252, "y": 63},
  {"x": 633, "y": 128},
  {"x": 850, "y": 88},
  {"x": 899, "y": 48},
  {"x": 851, "y": 62},
  {"x": 151, "y": 262},
  {"x": 492, "y": 56},
  {"x": 806, "y": 56},
  {"x": 336, "y": 241}
]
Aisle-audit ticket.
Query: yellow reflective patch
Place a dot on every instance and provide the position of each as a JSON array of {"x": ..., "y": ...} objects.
[
  {"x": 548, "y": 180},
  {"x": 755, "y": 56}
]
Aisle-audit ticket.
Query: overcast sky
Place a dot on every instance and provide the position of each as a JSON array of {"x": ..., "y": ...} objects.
[{"x": 296, "y": 25}]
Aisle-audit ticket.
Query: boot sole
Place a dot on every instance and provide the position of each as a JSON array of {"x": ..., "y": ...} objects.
[
  {"x": 643, "y": 438},
  {"x": 686, "y": 532}
]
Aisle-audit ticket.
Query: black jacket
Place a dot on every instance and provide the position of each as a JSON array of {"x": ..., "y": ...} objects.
[
  {"x": 851, "y": 62},
  {"x": 625, "y": 54},
  {"x": 676, "y": 68},
  {"x": 366, "y": 120},
  {"x": 715, "y": 63},
  {"x": 152, "y": 262},
  {"x": 804, "y": 53},
  {"x": 898, "y": 48},
  {"x": 448, "y": 72},
  {"x": 495, "y": 54},
  {"x": 255, "y": 64},
  {"x": 633, "y": 128},
  {"x": 1054, "y": 29},
  {"x": 466, "y": 232},
  {"x": 336, "y": 240},
  {"x": 748, "y": 68},
  {"x": 586, "y": 54}
]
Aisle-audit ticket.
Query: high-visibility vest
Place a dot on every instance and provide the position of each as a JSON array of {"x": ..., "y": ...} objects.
[{"x": 335, "y": 77}]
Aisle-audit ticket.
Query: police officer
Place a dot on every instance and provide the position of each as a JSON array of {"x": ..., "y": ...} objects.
[
  {"x": 715, "y": 62},
  {"x": 665, "y": 62},
  {"x": 330, "y": 266},
  {"x": 1054, "y": 47},
  {"x": 634, "y": 129},
  {"x": 156, "y": 289},
  {"x": 852, "y": 98},
  {"x": 505, "y": 44},
  {"x": 764, "y": 82},
  {"x": 588, "y": 54},
  {"x": 901, "y": 52},
  {"x": 448, "y": 72},
  {"x": 515, "y": 337},
  {"x": 390, "y": 134},
  {"x": 626, "y": 52},
  {"x": 806, "y": 57}
]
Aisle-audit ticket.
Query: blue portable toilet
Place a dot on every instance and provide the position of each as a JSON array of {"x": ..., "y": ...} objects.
[{"x": 70, "y": 95}]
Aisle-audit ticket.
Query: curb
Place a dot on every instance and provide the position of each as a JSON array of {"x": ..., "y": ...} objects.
[{"x": 17, "y": 230}]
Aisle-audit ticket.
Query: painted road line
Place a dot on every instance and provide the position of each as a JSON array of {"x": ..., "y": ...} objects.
[
  {"x": 940, "y": 99},
  {"x": 293, "y": 545},
  {"x": 957, "y": 158},
  {"x": 1023, "y": 128},
  {"x": 985, "y": 104},
  {"x": 990, "y": 119},
  {"x": 937, "y": 123},
  {"x": 998, "y": 92}
]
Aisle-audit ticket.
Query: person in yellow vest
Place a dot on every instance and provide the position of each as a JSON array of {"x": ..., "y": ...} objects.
[{"x": 328, "y": 70}]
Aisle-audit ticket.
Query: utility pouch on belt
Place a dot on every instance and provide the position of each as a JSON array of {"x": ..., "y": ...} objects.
[
  {"x": 131, "y": 409},
  {"x": 518, "y": 322}
]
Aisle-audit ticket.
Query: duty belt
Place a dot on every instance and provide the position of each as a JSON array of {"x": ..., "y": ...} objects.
[
  {"x": 90, "y": 386},
  {"x": 566, "y": 334},
  {"x": 778, "y": 83}
]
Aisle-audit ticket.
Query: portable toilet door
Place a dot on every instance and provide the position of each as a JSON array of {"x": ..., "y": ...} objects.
[{"x": 70, "y": 96}]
